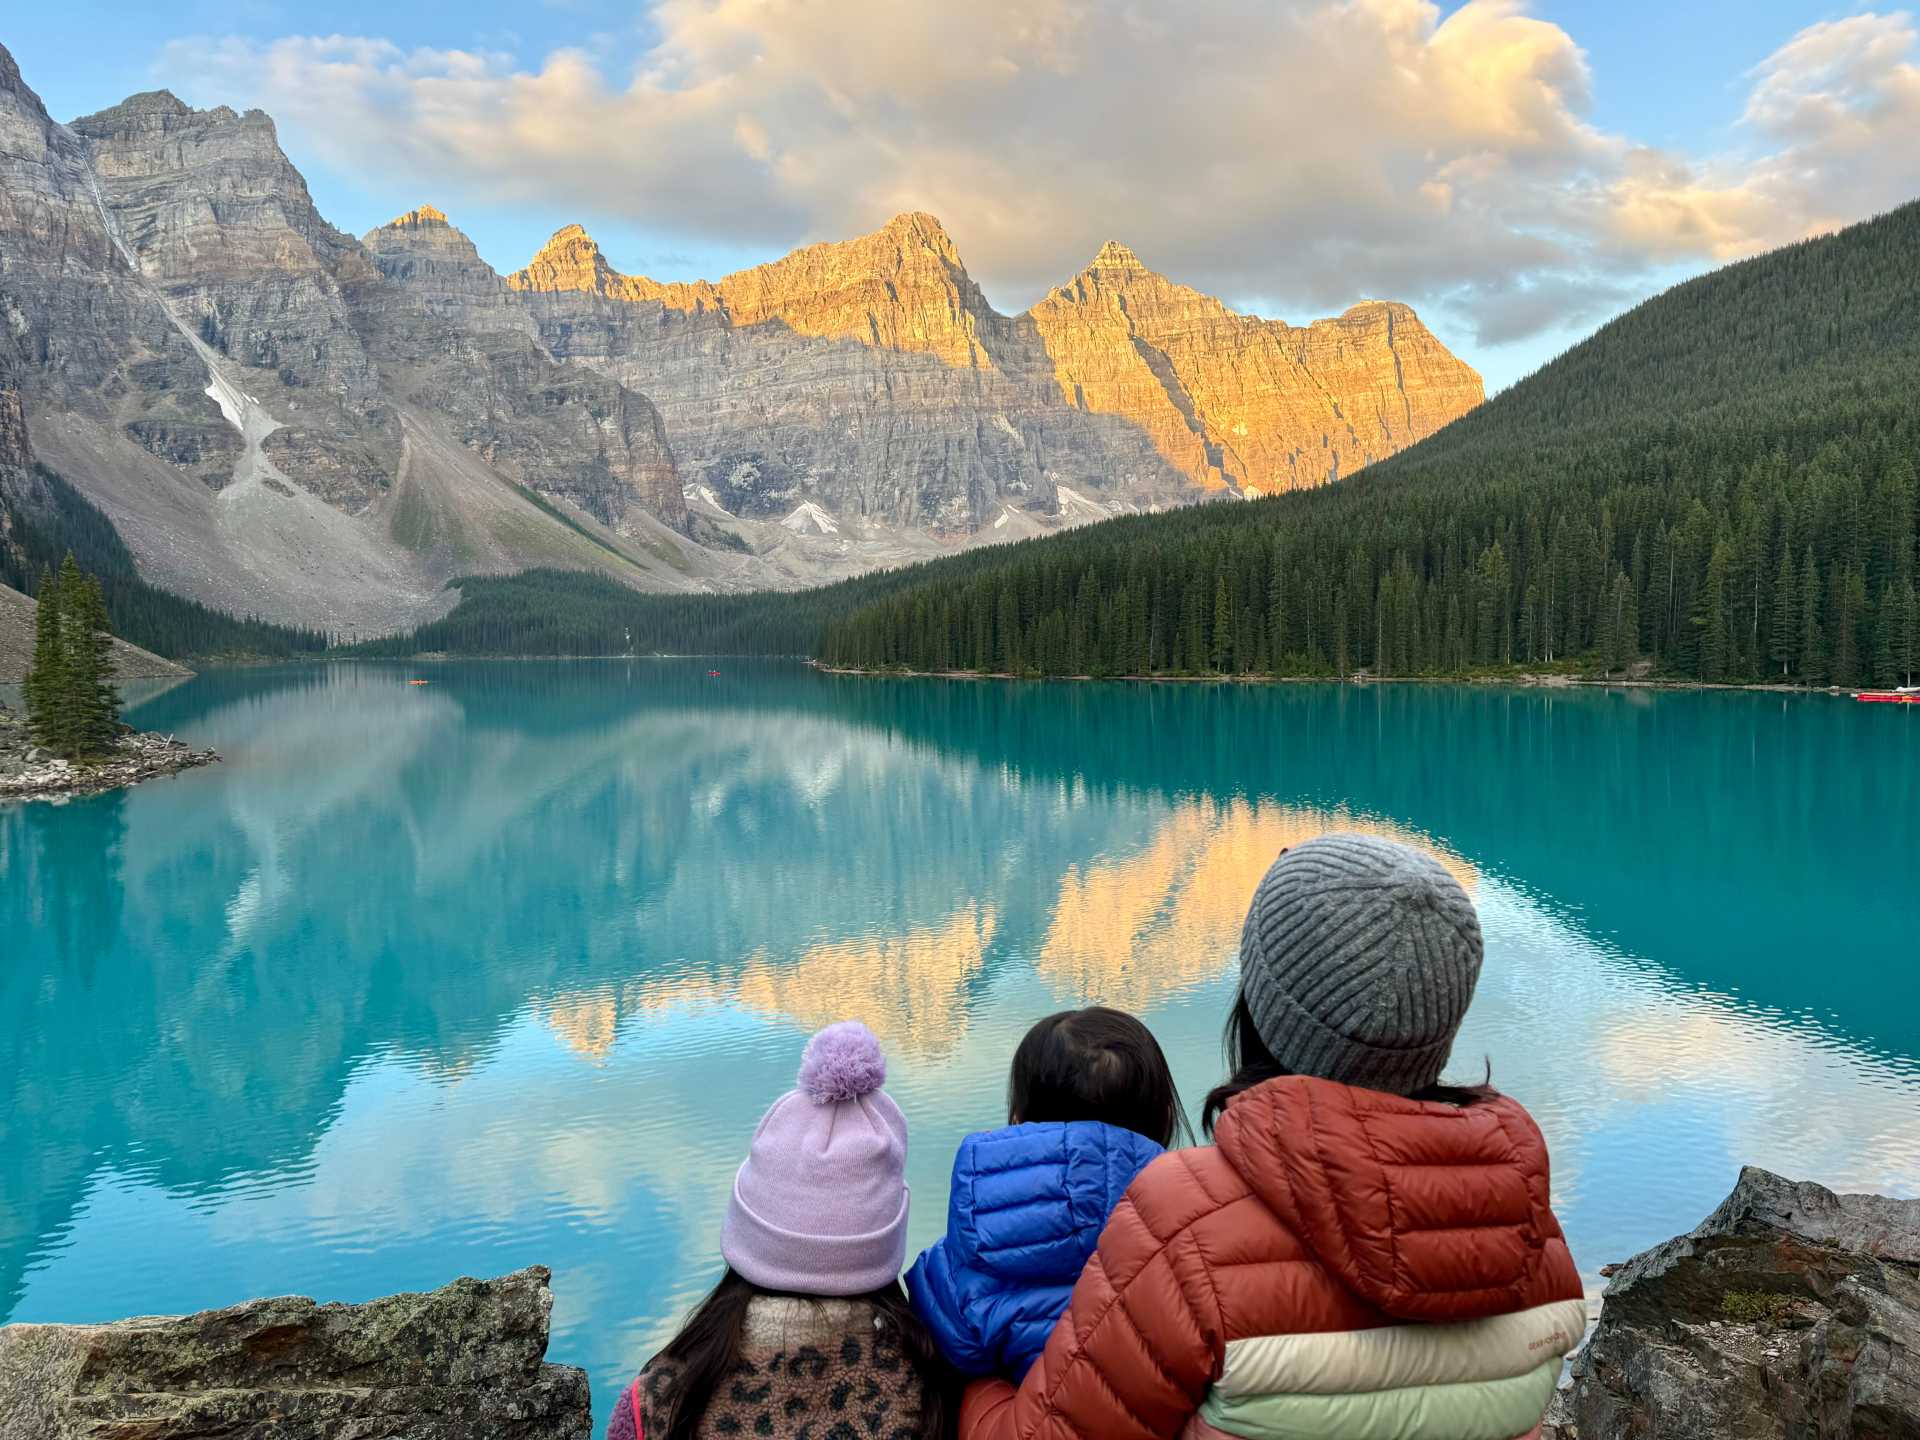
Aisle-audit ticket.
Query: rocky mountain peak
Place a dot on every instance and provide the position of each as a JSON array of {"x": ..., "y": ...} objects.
[
  {"x": 156, "y": 113},
  {"x": 418, "y": 218},
  {"x": 154, "y": 102},
  {"x": 10, "y": 78},
  {"x": 569, "y": 261},
  {"x": 918, "y": 226},
  {"x": 426, "y": 235},
  {"x": 1115, "y": 256}
]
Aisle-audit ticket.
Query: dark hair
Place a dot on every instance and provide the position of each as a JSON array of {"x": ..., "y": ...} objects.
[
  {"x": 1250, "y": 1063},
  {"x": 1096, "y": 1064},
  {"x": 707, "y": 1350}
]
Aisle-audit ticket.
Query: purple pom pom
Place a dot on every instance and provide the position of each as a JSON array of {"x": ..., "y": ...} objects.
[{"x": 843, "y": 1062}]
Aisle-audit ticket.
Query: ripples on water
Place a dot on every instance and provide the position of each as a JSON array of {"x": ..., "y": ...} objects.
[{"x": 502, "y": 970}]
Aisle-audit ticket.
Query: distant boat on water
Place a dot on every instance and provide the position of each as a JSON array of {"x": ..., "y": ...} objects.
[{"x": 1905, "y": 695}]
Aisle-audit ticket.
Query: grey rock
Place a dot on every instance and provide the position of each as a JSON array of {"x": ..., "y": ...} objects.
[
  {"x": 466, "y": 1360},
  {"x": 1790, "y": 1312}
]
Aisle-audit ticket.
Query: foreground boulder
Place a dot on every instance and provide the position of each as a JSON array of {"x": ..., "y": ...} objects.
[
  {"x": 463, "y": 1361},
  {"x": 1789, "y": 1312}
]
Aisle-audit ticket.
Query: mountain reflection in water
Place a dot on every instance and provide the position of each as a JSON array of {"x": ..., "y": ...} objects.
[{"x": 444, "y": 979}]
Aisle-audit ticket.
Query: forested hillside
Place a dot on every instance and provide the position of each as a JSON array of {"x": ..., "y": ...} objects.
[
  {"x": 35, "y": 539},
  {"x": 1722, "y": 481}
]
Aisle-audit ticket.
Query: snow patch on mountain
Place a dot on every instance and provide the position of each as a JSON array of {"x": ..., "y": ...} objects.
[{"x": 809, "y": 519}]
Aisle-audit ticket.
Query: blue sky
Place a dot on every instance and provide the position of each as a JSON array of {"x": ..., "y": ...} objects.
[{"x": 1515, "y": 171}]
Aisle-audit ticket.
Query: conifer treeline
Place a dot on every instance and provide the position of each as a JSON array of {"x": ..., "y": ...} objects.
[
  {"x": 571, "y": 612},
  {"x": 1722, "y": 482}
]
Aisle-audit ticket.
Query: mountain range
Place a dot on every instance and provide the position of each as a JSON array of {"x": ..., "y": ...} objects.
[{"x": 280, "y": 420}]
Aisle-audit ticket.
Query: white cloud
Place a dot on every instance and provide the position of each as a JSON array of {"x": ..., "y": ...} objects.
[{"x": 1295, "y": 153}]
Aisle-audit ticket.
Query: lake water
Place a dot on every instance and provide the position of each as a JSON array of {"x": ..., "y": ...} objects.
[{"x": 454, "y": 978}]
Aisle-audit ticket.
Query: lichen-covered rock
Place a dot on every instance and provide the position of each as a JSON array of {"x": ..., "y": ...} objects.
[
  {"x": 1790, "y": 1313},
  {"x": 463, "y": 1361}
]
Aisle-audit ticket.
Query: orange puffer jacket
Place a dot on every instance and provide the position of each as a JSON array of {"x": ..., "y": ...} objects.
[{"x": 1340, "y": 1265}]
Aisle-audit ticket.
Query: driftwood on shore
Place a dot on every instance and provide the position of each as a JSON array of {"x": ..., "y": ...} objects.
[{"x": 29, "y": 773}]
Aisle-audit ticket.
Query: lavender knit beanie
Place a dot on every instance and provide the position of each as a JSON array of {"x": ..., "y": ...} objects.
[{"x": 820, "y": 1206}]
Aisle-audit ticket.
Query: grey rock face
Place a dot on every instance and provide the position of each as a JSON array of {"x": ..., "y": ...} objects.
[
  {"x": 1790, "y": 1312},
  {"x": 455, "y": 342},
  {"x": 329, "y": 334},
  {"x": 463, "y": 1361},
  {"x": 870, "y": 377},
  {"x": 272, "y": 423}
]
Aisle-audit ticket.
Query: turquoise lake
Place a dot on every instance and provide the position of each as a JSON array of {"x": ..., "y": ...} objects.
[{"x": 452, "y": 978}]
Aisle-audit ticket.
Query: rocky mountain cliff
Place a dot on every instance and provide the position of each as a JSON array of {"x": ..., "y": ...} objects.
[
  {"x": 871, "y": 377},
  {"x": 1236, "y": 402},
  {"x": 272, "y": 423},
  {"x": 283, "y": 420}
]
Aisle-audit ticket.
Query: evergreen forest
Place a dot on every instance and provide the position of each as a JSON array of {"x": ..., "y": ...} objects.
[{"x": 1719, "y": 486}]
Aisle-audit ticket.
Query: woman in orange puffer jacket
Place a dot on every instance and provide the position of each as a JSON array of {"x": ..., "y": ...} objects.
[{"x": 1363, "y": 1253}]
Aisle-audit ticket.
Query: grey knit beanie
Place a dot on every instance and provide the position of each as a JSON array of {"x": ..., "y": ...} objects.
[{"x": 1358, "y": 962}]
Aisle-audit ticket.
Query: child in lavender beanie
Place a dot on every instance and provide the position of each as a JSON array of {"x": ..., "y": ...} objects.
[
  {"x": 820, "y": 1205},
  {"x": 809, "y": 1313}
]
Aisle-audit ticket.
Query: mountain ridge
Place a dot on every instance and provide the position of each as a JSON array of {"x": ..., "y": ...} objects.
[
  {"x": 288, "y": 421},
  {"x": 1227, "y": 403}
]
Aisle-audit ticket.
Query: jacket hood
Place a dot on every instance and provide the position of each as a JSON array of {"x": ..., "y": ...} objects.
[
  {"x": 1028, "y": 1202},
  {"x": 1430, "y": 1212}
]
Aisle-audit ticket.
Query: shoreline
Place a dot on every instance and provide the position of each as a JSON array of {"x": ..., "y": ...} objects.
[
  {"x": 1532, "y": 680},
  {"x": 1525, "y": 680},
  {"x": 27, "y": 773}
]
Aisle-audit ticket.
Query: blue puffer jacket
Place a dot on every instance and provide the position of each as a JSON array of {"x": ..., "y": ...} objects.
[{"x": 1027, "y": 1206}]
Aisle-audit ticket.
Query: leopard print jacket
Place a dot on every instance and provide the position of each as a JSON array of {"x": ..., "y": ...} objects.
[{"x": 809, "y": 1370}]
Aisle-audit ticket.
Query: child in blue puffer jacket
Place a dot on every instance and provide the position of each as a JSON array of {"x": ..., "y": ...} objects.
[{"x": 1090, "y": 1102}]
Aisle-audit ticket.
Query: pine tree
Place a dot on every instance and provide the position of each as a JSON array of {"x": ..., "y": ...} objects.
[
  {"x": 1910, "y": 633},
  {"x": 1222, "y": 656},
  {"x": 46, "y": 678},
  {"x": 1785, "y": 640},
  {"x": 1716, "y": 641},
  {"x": 1813, "y": 641},
  {"x": 73, "y": 708},
  {"x": 1888, "y": 621},
  {"x": 1277, "y": 610},
  {"x": 1619, "y": 630},
  {"x": 96, "y": 701},
  {"x": 1850, "y": 605}
]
